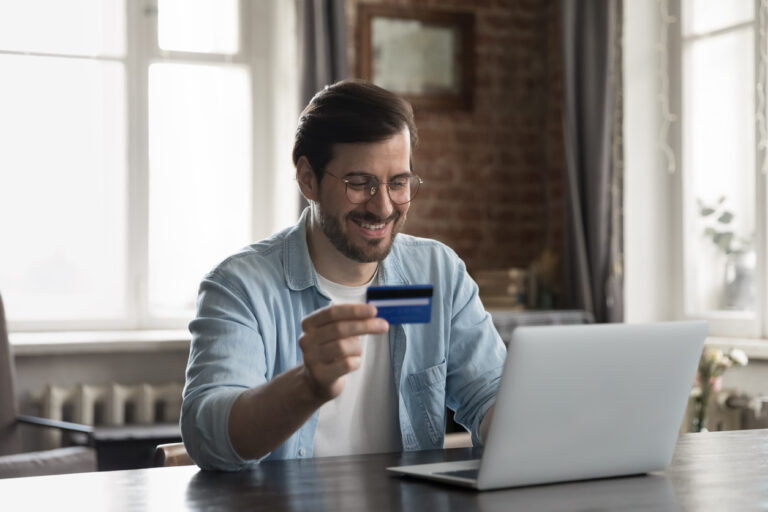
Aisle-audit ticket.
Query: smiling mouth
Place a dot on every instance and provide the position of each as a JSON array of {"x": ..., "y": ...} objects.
[{"x": 372, "y": 227}]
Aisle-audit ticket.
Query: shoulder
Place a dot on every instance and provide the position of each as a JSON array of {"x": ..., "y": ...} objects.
[
  {"x": 257, "y": 261},
  {"x": 408, "y": 245},
  {"x": 415, "y": 252},
  {"x": 420, "y": 259}
]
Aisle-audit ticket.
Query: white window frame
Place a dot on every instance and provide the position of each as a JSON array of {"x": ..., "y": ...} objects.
[
  {"x": 721, "y": 323},
  {"x": 267, "y": 47},
  {"x": 653, "y": 184}
]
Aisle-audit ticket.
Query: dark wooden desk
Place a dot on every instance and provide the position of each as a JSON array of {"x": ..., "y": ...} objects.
[
  {"x": 710, "y": 471},
  {"x": 131, "y": 446}
]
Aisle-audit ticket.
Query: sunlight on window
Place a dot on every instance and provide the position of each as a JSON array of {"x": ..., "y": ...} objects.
[
  {"x": 701, "y": 16},
  {"x": 719, "y": 157},
  {"x": 204, "y": 26},
  {"x": 62, "y": 188},
  {"x": 75, "y": 27},
  {"x": 200, "y": 177},
  {"x": 127, "y": 169}
]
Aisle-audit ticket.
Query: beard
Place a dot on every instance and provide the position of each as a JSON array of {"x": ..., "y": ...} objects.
[{"x": 373, "y": 250}]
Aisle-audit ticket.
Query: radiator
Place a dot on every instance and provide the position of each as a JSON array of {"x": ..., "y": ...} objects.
[
  {"x": 731, "y": 410},
  {"x": 108, "y": 404}
]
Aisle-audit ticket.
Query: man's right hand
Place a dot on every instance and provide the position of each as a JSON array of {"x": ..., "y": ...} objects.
[{"x": 331, "y": 345}]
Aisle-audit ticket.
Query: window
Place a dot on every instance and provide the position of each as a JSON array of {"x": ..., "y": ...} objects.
[
  {"x": 128, "y": 142},
  {"x": 199, "y": 148},
  {"x": 721, "y": 151}
]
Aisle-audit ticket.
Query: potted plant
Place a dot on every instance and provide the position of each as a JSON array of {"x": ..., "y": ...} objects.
[
  {"x": 709, "y": 378},
  {"x": 739, "y": 272}
]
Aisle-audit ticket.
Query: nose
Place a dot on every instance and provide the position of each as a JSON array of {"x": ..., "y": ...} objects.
[{"x": 380, "y": 204}]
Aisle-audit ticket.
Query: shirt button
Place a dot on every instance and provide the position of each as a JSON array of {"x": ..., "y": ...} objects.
[{"x": 302, "y": 452}]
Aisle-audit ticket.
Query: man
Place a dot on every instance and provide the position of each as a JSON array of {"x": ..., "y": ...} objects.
[{"x": 288, "y": 361}]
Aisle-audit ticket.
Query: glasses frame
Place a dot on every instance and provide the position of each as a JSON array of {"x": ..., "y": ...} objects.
[{"x": 375, "y": 189}]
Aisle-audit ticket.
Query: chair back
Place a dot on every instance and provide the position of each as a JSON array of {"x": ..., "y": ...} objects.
[
  {"x": 9, "y": 437},
  {"x": 172, "y": 454}
]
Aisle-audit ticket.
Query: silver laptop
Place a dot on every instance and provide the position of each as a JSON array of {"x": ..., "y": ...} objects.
[{"x": 583, "y": 402}]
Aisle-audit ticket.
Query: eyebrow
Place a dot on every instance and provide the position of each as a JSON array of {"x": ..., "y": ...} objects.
[{"x": 362, "y": 173}]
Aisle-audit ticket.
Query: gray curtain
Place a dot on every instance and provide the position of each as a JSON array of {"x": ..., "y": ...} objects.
[
  {"x": 593, "y": 273},
  {"x": 322, "y": 32},
  {"x": 322, "y": 45}
]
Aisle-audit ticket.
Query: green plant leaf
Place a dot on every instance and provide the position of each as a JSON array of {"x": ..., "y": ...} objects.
[
  {"x": 723, "y": 240},
  {"x": 725, "y": 218},
  {"x": 706, "y": 211}
]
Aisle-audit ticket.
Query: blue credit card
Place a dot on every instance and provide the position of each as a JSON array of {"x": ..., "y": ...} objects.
[{"x": 406, "y": 304}]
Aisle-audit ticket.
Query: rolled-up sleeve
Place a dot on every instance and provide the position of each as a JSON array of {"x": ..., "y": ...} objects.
[
  {"x": 475, "y": 358},
  {"x": 227, "y": 357}
]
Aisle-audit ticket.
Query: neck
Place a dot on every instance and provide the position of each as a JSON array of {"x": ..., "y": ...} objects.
[{"x": 333, "y": 265}]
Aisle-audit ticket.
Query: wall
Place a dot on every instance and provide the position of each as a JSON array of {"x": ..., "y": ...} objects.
[
  {"x": 648, "y": 187},
  {"x": 33, "y": 372},
  {"x": 493, "y": 174},
  {"x": 157, "y": 365}
]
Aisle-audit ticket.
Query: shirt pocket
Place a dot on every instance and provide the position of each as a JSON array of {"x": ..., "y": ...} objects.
[{"x": 428, "y": 388}]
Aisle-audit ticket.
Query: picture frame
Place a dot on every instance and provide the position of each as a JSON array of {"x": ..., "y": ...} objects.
[{"x": 425, "y": 55}]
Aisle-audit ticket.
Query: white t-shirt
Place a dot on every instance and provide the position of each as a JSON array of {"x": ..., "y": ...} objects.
[{"x": 363, "y": 418}]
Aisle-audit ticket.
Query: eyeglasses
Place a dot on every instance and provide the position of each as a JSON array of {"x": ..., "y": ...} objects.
[{"x": 360, "y": 188}]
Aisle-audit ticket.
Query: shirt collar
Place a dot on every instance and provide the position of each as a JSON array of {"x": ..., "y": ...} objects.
[{"x": 300, "y": 272}]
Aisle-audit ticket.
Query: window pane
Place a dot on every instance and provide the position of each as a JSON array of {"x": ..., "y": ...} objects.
[
  {"x": 719, "y": 157},
  {"x": 204, "y": 26},
  {"x": 701, "y": 16},
  {"x": 62, "y": 188},
  {"x": 79, "y": 27},
  {"x": 200, "y": 177}
]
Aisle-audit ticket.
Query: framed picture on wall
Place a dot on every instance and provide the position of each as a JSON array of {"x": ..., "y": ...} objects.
[{"x": 424, "y": 55}]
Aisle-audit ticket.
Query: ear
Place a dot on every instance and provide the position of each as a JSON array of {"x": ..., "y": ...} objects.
[{"x": 308, "y": 184}]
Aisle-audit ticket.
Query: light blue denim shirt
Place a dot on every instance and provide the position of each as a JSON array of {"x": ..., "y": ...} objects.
[{"x": 248, "y": 323}]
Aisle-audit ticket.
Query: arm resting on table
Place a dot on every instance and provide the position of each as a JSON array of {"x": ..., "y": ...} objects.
[
  {"x": 276, "y": 410},
  {"x": 485, "y": 424}
]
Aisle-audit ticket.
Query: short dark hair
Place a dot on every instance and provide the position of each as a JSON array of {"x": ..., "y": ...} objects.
[{"x": 349, "y": 111}]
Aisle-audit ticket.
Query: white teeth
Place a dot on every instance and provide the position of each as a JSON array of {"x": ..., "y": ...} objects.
[{"x": 372, "y": 226}]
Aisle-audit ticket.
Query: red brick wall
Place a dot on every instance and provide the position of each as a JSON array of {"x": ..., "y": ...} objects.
[{"x": 493, "y": 185}]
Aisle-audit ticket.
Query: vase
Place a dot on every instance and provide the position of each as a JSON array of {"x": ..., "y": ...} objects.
[
  {"x": 739, "y": 285},
  {"x": 699, "y": 423}
]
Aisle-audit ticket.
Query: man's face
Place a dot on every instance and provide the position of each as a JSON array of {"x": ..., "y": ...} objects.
[{"x": 364, "y": 232}]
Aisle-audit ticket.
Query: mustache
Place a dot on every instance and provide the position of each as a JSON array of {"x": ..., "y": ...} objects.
[{"x": 370, "y": 218}]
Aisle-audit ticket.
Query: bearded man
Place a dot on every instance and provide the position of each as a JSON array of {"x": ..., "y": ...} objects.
[{"x": 287, "y": 360}]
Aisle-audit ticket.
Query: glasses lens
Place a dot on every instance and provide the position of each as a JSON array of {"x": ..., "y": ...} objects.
[
  {"x": 361, "y": 188},
  {"x": 402, "y": 190}
]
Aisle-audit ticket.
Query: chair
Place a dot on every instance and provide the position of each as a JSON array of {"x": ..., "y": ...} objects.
[
  {"x": 172, "y": 454},
  {"x": 14, "y": 463},
  {"x": 457, "y": 440}
]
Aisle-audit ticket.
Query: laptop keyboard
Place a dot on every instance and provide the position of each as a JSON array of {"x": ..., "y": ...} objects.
[{"x": 461, "y": 473}]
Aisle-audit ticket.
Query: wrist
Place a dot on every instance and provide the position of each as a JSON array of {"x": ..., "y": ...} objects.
[{"x": 311, "y": 391}]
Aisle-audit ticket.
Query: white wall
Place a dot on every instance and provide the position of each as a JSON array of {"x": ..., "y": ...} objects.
[
  {"x": 34, "y": 372},
  {"x": 276, "y": 195},
  {"x": 649, "y": 292}
]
